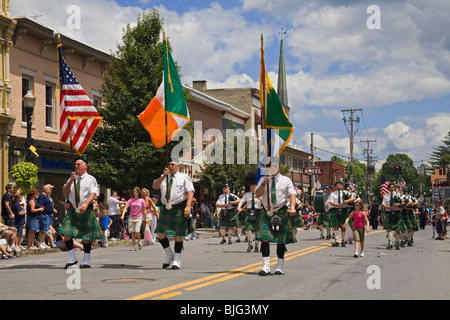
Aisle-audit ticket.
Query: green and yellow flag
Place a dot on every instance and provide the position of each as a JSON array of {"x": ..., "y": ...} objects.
[
  {"x": 279, "y": 129},
  {"x": 169, "y": 100}
]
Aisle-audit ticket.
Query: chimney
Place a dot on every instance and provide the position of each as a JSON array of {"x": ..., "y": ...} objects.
[{"x": 200, "y": 85}]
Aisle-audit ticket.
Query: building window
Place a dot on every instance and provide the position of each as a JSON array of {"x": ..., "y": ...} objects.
[
  {"x": 50, "y": 105},
  {"x": 26, "y": 86},
  {"x": 96, "y": 101}
]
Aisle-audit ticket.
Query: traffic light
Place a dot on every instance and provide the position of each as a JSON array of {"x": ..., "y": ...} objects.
[
  {"x": 398, "y": 170},
  {"x": 442, "y": 170}
]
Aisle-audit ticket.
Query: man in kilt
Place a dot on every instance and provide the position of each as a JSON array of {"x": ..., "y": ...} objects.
[
  {"x": 410, "y": 219},
  {"x": 252, "y": 208},
  {"x": 339, "y": 208},
  {"x": 80, "y": 221},
  {"x": 276, "y": 193},
  {"x": 177, "y": 192},
  {"x": 392, "y": 216},
  {"x": 227, "y": 203},
  {"x": 324, "y": 218}
]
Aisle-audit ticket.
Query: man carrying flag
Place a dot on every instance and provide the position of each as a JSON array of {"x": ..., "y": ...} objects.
[
  {"x": 277, "y": 192},
  {"x": 166, "y": 114},
  {"x": 78, "y": 121}
]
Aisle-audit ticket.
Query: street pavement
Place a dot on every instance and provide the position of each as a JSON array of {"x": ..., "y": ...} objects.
[{"x": 209, "y": 271}]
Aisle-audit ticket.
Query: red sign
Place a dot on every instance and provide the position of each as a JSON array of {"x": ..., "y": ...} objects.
[{"x": 312, "y": 170}]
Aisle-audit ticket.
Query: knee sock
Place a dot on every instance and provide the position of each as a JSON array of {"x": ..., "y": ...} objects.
[
  {"x": 265, "y": 249},
  {"x": 69, "y": 246},
  {"x": 178, "y": 247},
  {"x": 164, "y": 242},
  {"x": 281, "y": 249},
  {"x": 87, "y": 253}
]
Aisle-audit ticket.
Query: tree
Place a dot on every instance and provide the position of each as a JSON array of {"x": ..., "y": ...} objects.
[
  {"x": 26, "y": 175},
  {"x": 441, "y": 156},
  {"x": 359, "y": 174},
  {"x": 123, "y": 153}
]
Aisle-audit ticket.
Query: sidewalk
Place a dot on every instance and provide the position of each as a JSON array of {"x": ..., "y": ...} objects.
[{"x": 204, "y": 232}]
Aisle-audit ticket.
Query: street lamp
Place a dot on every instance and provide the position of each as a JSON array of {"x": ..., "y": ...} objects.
[{"x": 28, "y": 103}]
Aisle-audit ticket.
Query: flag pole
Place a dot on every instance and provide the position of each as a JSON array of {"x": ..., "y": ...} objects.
[
  {"x": 165, "y": 113},
  {"x": 263, "y": 110},
  {"x": 68, "y": 122}
]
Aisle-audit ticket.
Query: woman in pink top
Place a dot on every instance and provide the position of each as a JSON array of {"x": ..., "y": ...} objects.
[
  {"x": 137, "y": 214},
  {"x": 359, "y": 216}
]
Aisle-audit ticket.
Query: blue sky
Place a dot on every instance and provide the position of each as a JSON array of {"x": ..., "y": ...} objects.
[{"x": 399, "y": 74}]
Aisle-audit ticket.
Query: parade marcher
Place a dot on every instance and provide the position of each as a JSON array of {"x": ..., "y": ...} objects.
[
  {"x": 177, "y": 192},
  {"x": 338, "y": 205},
  {"x": 80, "y": 221},
  {"x": 253, "y": 210},
  {"x": 323, "y": 220},
  {"x": 276, "y": 193},
  {"x": 392, "y": 216},
  {"x": 296, "y": 220},
  {"x": 227, "y": 203},
  {"x": 410, "y": 219}
]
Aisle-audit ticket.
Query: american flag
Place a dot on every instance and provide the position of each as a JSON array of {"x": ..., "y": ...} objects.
[
  {"x": 76, "y": 106},
  {"x": 384, "y": 186},
  {"x": 402, "y": 184}
]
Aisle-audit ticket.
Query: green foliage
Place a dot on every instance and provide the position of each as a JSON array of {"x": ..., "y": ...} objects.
[
  {"x": 440, "y": 156},
  {"x": 26, "y": 175}
]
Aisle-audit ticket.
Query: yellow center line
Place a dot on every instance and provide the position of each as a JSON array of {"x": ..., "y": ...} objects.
[{"x": 166, "y": 293}]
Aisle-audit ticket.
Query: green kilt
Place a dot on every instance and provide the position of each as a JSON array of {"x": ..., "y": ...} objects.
[
  {"x": 410, "y": 220},
  {"x": 297, "y": 221},
  {"x": 253, "y": 225},
  {"x": 338, "y": 216},
  {"x": 225, "y": 219},
  {"x": 393, "y": 221},
  {"x": 174, "y": 221},
  {"x": 324, "y": 219},
  {"x": 284, "y": 236},
  {"x": 82, "y": 225}
]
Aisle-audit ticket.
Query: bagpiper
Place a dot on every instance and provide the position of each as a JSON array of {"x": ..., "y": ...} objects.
[
  {"x": 276, "y": 192},
  {"x": 339, "y": 207},
  {"x": 177, "y": 192},
  {"x": 391, "y": 206},
  {"x": 410, "y": 219},
  {"x": 252, "y": 206},
  {"x": 228, "y": 218},
  {"x": 80, "y": 221}
]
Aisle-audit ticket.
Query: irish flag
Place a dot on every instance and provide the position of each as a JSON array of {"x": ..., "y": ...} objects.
[
  {"x": 278, "y": 128},
  {"x": 169, "y": 101}
]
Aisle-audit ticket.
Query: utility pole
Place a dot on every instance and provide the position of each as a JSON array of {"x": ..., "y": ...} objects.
[
  {"x": 367, "y": 151},
  {"x": 313, "y": 181},
  {"x": 352, "y": 135}
]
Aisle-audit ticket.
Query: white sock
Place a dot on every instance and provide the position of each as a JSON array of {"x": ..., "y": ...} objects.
[
  {"x": 87, "y": 259},
  {"x": 72, "y": 256}
]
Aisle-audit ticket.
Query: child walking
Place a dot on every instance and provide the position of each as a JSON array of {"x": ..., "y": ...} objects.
[{"x": 359, "y": 216}]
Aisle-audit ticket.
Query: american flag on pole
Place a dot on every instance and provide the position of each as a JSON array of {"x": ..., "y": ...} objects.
[
  {"x": 402, "y": 184},
  {"x": 384, "y": 190},
  {"x": 76, "y": 107}
]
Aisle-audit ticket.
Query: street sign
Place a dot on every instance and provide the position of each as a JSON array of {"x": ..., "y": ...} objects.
[{"x": 312, "y": 170}]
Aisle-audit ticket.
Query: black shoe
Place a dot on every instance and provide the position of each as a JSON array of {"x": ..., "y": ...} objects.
[
  {"x": 84, "y": 266},
  {"x": 410, "y": 243},
  {"x": 263, "y": 273},
  {"x": 249, "y": 249},
  {"x": 397, "y": 247},
  {"x": 229, "y": 241},
  {"x": 335, "y": 244},
  {"x": 343, "y": 244},
  {"x": 223, "y": 241},
  {"x": 70, "y": 264},
  {"x": 279, "y": 272},
  {"x": 328, "y": 237},
  {"x": 256, "y": 249},
  {"x": 238, "y": 240},
  {"x": 389, "y": 246}
]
